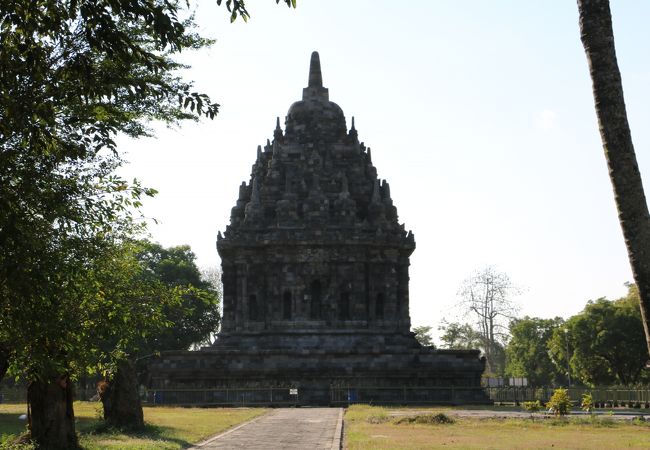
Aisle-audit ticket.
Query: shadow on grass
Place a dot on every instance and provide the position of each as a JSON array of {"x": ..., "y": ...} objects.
[
  {"x": 11, "y": 424},
  {"x": 97, "y": 428}
]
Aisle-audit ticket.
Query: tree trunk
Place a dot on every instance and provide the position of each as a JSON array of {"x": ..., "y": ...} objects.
[
  {"x": 598, "y": 40},
  {"x": 4, "y": 361},
  {"x": 122, "y": 406},
  {"x": 51, "y": 417}
]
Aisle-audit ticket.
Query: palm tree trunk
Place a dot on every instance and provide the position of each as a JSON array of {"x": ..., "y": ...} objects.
[{"x": 598, "y": 40}]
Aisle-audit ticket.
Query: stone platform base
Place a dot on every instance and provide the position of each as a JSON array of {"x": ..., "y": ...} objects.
[{"x": 323, "y": 376}]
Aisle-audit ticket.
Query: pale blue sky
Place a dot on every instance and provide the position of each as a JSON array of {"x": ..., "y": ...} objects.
[{"x": 478, "y": 113}]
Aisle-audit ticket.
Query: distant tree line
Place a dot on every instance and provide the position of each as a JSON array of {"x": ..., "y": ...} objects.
[{"x": 604, "y": 344}]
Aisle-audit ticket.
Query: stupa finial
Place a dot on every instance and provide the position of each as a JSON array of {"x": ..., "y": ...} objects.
[
  {"x": 315, "y": 77},
  {"x": 277, "y": 133},
  {"x": 315, "y": 89}
]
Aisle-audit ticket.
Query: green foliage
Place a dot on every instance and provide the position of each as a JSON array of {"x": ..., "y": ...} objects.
[
  {"x": 238, "y": 9},
  {"x": 74, "y": 75},
  {"x": 606, "y": 343},
  {"x": 559, "y": 403},
  {"x": 532, "y": 407},
  {"x": 460, "y": 336},
  {"x": 527, "y": 351},
  {"x": 10, "y": 444},
  {"x": 423, "y": 335},
  {"x": 463, "y": 336},
  {"x": 587, "y": 403},
  {"x": 196, "y": 314}
]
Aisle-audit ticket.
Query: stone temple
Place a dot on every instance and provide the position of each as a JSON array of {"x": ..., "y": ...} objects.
[{"x": 315, "y": 278}]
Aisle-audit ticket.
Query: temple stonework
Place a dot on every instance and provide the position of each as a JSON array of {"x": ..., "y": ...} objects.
[{"x": 315, "y": 274}]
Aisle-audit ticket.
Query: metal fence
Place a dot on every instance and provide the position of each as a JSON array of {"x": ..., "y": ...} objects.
[
  {"x": 406, "y": 395},
  {"x": 272, "y": 396},
  {"x": 603, "y": 397},
  {"x": 17, "y": 394}
]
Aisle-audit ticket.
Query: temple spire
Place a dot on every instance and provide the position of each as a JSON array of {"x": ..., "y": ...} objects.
[
  {"x": 277, "y": 133},
  {"x": 315, "y": 89},
  {"x": 353, "y": 134},
  {"x": 315, "y": 77}
]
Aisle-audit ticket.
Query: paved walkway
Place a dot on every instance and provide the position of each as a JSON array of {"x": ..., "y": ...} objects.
[{"x": 284, "y": 428}]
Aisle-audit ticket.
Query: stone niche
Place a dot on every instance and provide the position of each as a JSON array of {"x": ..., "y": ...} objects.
[{"x": 315, "y": 276}]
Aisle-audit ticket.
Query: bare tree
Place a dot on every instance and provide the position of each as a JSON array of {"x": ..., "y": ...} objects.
[
  {"x": 212, "y": 276},
  {"x": 597, "y": 38},
  {"x": 487, "y": 295}
]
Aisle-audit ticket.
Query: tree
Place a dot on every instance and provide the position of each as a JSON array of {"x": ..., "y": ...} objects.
[
  {"x": 604, "y": 344},
  {"x": 4, "y": 361},
  {"x": 487, "y": 296},
  {"x": 459, "y": 336},
  {"x": 168, "y": 306},
  {"x": 212, "y": 276},
  {"x": 139, "y": 299},
  {"x": 73, "y": 75},
  {"x": 597, "y": 38},
  {"x": 196, "y": 315},
  {"x": 527, "y": 352},
  {"x": 423, "y": 336}
]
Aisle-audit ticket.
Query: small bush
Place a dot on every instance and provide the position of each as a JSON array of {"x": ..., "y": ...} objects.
[
  {"x": 9, "y": 442},
  {"x": 533, "y": 407},
  {"x": 426, "y": 419},
  {"x": 587, "y": 402},
  {"x": 376, "y": 419},
  {"x": 560, "y": 403}
]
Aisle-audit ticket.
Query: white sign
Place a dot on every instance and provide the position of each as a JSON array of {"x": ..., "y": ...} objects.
[{"x": 293, "y": 391}]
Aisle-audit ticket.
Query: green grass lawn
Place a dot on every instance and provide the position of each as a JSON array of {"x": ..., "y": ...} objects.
[
  {"x": 369, "y": 427},
  {"x": 167, "y": 427}
]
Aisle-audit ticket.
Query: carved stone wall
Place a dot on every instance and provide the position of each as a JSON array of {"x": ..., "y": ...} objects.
[{"x": 313, "y": 242}]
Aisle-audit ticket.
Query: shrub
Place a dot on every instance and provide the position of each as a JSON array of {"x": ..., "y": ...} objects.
[
  {"x": 375, "y": 419},
  {"x": 587, "y": 402},
  {"x": 560, "y": 403},
  {"x": 532, "y": 407},
  {"x": 427, "y": 419},
  {"x": 9, "y": 442}
]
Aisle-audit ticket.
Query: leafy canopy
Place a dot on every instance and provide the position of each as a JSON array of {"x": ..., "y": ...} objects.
[
  {"x": 527, "y": 351},
  {"x": 423, "y": 335},
  {"x": 74, "y": 74},
  {"x": 605, "y": 343},
  {"x": 195, "y": 316}
]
